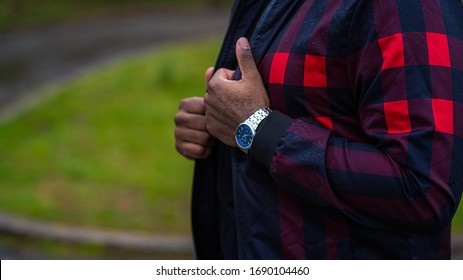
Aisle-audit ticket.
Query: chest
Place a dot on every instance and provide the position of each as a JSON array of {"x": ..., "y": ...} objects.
[{"x": 303, "y": 64}]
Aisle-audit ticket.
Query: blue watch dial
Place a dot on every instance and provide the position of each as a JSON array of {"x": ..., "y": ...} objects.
[{"x": 244, "y": 136}]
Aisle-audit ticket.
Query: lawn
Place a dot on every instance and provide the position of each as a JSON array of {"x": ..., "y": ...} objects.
[{"x": 101, "y": 152}]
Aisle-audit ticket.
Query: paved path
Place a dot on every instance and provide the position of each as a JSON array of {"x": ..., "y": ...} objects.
[
  {"x": 173, "y": 246},
  {"x": 33, "y": 58}
]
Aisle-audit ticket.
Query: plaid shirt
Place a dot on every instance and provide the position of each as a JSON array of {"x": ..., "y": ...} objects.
[{"x": 362, "y": 156}]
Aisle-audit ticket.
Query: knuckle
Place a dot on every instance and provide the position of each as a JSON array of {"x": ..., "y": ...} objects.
[
  {"x": 177, "y": 133},
  {"x": 186, "y": 103},
  {"x": 199, "y": 151},
  {"x": 183, "y": 104},
  {"x": 211, "y": 86},
  {"x": 192, "y": 152},
  {"x": 214, "y": 81},
  {"x": 178, "y": 147},
  {"x": 179, "y": 118}
]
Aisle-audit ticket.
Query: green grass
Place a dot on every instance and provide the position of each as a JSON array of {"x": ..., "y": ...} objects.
[
  {"x": 458, "y": 220},
  {"x": 101, "y": 152}
]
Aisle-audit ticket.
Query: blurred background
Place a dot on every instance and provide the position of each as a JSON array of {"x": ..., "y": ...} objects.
[{"x": 88, "y": 92}]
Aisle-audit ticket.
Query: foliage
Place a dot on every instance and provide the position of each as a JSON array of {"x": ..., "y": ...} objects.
[{"x": 101, "y": 153}]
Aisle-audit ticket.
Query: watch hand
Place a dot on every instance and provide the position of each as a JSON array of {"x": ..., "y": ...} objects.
[{"x": 247, "y": 138}]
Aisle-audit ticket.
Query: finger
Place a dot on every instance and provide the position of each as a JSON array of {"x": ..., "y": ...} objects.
[
  {"x": 192, "y": 121},
  {"x": 208, "y": 74},
  {"x": 202, "y": 138},
  {"x": 193, "y": 105},
  {"x": 193, "y": 151},
  {"x": 225, "y": 74},
  {"x": 246, "y": 60}
]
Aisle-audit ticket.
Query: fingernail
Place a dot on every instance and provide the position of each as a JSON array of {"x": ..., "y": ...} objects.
[{"x": 244, "y": 44}]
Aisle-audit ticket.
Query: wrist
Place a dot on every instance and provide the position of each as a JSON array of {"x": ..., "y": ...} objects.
[{"x": 246, "y": 131}]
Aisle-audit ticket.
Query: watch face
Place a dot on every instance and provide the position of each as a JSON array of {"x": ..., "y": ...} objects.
[{"x": 244, "y": 136}]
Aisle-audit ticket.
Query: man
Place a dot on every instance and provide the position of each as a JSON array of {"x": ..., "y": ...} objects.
[{"x": 335, "y": 132}]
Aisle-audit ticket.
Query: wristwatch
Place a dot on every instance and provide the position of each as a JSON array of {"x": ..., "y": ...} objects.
[{"x": 246, "y": 130}]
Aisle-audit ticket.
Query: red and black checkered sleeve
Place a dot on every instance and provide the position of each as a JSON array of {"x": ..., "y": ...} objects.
[{"x": 405, "y": 70}]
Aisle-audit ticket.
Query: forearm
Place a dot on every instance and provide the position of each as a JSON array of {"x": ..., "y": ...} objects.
[{"x": 360, "y": 180}]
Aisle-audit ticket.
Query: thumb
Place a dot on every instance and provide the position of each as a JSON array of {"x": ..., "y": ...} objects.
[{"x": 246, "y": 60}]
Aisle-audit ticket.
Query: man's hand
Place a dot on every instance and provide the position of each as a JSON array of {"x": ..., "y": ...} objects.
[
  {"x": 191, "y": 137},
  {"x": 229, "y": 102}
]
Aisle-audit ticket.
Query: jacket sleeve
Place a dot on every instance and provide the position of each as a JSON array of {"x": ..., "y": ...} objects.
[{"x": 409, "y": 92}]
